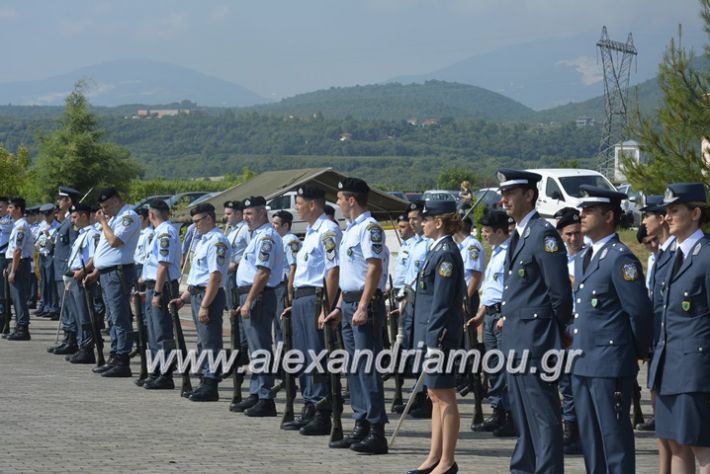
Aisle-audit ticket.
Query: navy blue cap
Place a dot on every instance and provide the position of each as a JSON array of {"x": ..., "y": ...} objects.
[
  {"x": 510, "y": 178},
  {"x": 679, "y": 193},
  {"x": 594, "y": 196},
  {"x": 107, "y": 194},
  {"x": 353, "y": 185},
  {"x": 32, "y": 209},
  {"x": 46, "y": 208},
  {"x": 81, "y": 207},
  {"x": 654, "y": 204},
  {"x": 236, "y": 205},
  {"x": 402, "y": 218},
  {"x": 310, "y": 192},
  {"x": 415, "y": 206},
  {"x": 567, "y": 218},
  {"x": 68, "y": 192},
  {"x": 254, "y": 201},
  {"x": 435, "y": 208},
  {"x": 496, "y": 219}
]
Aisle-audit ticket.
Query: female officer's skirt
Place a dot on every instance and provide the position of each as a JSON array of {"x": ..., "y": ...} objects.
[{"x": 684, "y": 418}]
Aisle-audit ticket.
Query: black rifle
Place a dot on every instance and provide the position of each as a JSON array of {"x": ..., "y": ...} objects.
[
  {"x": 180, "y": 343},
  {"x": 332, "y": 343},
  {"x": 138, "y": 311},
  {"x": 7, "y": 311},
  {"x": 474, "y": 379},
  {"x": 393, "y": 329},
  {"x": 288, "y": 380},
  {"x": 95, "y": 332},
  {"x": 242, "y": 355},
  {"x": 636, "y": 398}
]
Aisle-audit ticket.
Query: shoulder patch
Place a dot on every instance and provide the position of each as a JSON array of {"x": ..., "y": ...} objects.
[
  {"x": 446, "y": 269},
  {"x": 20, "y": 237},
  {"x": 376, "y": 233},
  {"x": 551, "y": 245},
  {"x": 221, "y": 250},
  {"x": 295, "y": 246},
  {"x": 328, "y": 240},
  {"x": 473, "y": 252},
  {"x": 631, "y": 272},
  {"x": 126, "y": 220}
]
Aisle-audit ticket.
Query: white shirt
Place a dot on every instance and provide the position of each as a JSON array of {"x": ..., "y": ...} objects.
[
  {"x": 520, "y": 226},
  {"x": 687, "y": 245}
]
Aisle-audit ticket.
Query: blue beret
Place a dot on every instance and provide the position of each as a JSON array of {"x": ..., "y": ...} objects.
[
  {"x": 254, "y": 201},
  {"x": 353, "y": 185},
  {"x": 311, "y": 192}
]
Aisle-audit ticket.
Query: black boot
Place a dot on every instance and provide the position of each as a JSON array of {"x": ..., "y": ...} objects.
[
  {"x": 163, "y": 382},
  {"x": 84, "y": 356},
  {"x": 22, "y": 333},
  {"x": 318, "y": 426},
  {"x": 507, "y": 428},
  {"x": 149, "y": 378},
  {"x": 494, "y": 421},
  {"x": 359, "y": 432},
  {"x": 249, "y": 402},
  {"x": 263, "y": 408},
  {"x": 423, "y": 407},
  {"x": 307, "y": 413},
  {"x": 69, "y": 346},
  {"x": 571, "y": 439},
  {"x": 109, "y": 363},
  {"x": 649, "y": 425},
  {"x": 375, "y": 443},
  {"x": 206, "y": 392},
  {"x": 122, "y": 367}
]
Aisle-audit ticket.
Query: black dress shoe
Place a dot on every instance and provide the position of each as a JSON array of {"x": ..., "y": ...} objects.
[
  {"x": 319, "y": 426},
  {"x": 649, "y": 425},
  {"x": 206, "y": 392},
  {"x": 507, "y": 429},
  {"x": 84, "y": 356},
  {"x": 424, "y": 471},
  {"x": 249, "y": 402},
  {"x": 423, "y": 411},
  {"x": 307, "y": 413},
  {"x": 109, "y": 363},
  {"x": 375, "y": 443},
  {"x": 492, "y": 422},
  {"x": 453, "y": 469},
  {"x": 163, "y": 382},
  {"x": 263, "y": 408},
  {"x": 121, "y": 367},
  {"x": 359, "y": 432},
  {"x": 21, "y": 334}
]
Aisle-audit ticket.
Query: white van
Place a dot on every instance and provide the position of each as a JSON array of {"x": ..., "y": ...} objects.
[{"x": 559, "y": 187}]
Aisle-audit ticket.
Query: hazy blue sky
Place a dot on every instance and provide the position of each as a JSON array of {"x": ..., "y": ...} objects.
[{"x": 278, "y": 48}]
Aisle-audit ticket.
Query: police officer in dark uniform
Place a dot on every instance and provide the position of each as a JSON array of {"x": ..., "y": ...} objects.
[
  {"x": 536, "y": 306},
  {"x": 64, "y": 238},
  {"x": 612, "y": 329},
  {"x": 680, "y": 369},
  {"x": 441, "y": 289}
]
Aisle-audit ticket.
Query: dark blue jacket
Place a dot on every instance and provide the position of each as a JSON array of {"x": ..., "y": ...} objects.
[
  {"x": 681, "y": 361},
  {"x": 537, "y": 296},
  {"x": 661, "y": 267},
  {"x": 440, "y": 294},
  {"x": 64, "y": 239},
  {"x": 613, "y": 322}
]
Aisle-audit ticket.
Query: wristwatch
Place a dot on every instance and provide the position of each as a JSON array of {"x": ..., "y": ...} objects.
[{"x": 157, "y": 293}]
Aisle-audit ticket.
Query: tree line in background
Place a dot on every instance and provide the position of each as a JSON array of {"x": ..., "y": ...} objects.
[{"x": 85, "y": 151}]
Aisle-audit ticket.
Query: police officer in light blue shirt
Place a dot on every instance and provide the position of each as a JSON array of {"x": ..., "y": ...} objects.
[
  {"x": 161, "y": 272},
  {"x": 5, "y": 230},
  {"x": 48, "y": 304},
  {"x": 361, "y": 309},
  {"x": 260, "y": 272},
  {"x": 233, "y": 216},
  {"x": 282, "y": 221},
  {"x": 64, "y": 238},
  {"x": 114, "y": 261},
  {"x": 317, "y": 261},
  {"x": 20, "y": 250},
  {"x": 474, "y": 258},
  {"x": 208, "y": 274},
  {"x": 402, "y": 260},
  {"x": 82, "y": 251},
  {"x": 494, "y": 228},
  {"x": 144, "y": 239}
]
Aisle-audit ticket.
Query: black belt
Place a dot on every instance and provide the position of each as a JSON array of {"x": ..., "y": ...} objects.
[
  {"x": 493, "y": 309},
  {"x": 115, "y": 268},
  {"x": 196, "y": 290},
  {"x": 9, "y": 260},
  {"x": 150, "y": 284},
  {"x": 244, "y": 290},
  {"x": 305, "y": 291},
  {"x": 354, "y": 296}
]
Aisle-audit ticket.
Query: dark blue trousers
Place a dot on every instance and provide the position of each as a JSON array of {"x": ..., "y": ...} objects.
[{"x": 307, "y": 336}]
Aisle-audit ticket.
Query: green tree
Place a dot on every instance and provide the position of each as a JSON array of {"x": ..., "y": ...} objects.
[
  {"x": 16, "y": 176},
  {"x": 451, "y": 178},
  {"x": 77, "y": 155},
  {"x": 671, "y": 140}
]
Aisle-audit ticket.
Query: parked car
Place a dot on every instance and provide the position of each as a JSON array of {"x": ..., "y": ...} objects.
[
  {"x": 413, "y": 197},
  {"x": 559, "y": 187},
  {"x": 183, "y": 200},
  {"x": 143, "y": 203},
  {"x": 440, "y": 195},
  {"x": 487, "y": 198},
  {"x": 398, "y": 194}
]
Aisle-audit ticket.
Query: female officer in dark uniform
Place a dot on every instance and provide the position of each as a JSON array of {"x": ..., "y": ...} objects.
[
  {"x": 680, "y": 369},
  {"x": 438, "y": 314}
]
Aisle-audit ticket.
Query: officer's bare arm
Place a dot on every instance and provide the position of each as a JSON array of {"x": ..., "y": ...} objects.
[
  {"x": 111, "y": 238},
  {"x": 372, "y": 280},
  {"x": 474, "y": 284},
  {"x": 332, "y": 277},
  {"x": 213, "y": 286}
]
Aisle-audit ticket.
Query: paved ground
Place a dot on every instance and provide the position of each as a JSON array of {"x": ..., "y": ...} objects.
[{"x": 58, "y": 417}]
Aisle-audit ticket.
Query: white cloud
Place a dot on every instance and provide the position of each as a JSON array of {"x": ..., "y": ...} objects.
[{"x": 586, "y": 66}]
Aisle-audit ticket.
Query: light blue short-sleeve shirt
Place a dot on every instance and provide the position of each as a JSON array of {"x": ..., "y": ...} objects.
[{"x": 126, "y": 226}]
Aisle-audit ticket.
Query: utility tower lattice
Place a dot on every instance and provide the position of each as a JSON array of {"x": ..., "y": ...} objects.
[{"x": 617, "y": 58}]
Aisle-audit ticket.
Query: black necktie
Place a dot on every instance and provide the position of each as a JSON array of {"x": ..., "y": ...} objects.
[
  {"x": 513, "y": 243},
  {"x": 587, "y": 259},
  {"x": 677, "y": 262}
]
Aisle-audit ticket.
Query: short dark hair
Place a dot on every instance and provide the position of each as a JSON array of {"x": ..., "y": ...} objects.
[
  {"x": 4, "y": 199},
  {"x": 204, "y": 208},
  {"x": 19, "y": 203},
  {"x": 618, "y": 213},
  {"x": 329, "y": 210},
  {"x": 142, "y": 211},
  {"x": 285, "y": 216}
]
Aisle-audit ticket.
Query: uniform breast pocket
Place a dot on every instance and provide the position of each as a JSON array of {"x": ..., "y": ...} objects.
[
  {"x": 598, "y": 296},
  {"x": 694, "y": 302},
  {"x": 425, "y": 281},
  {"x": 526, "y": 270}
]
